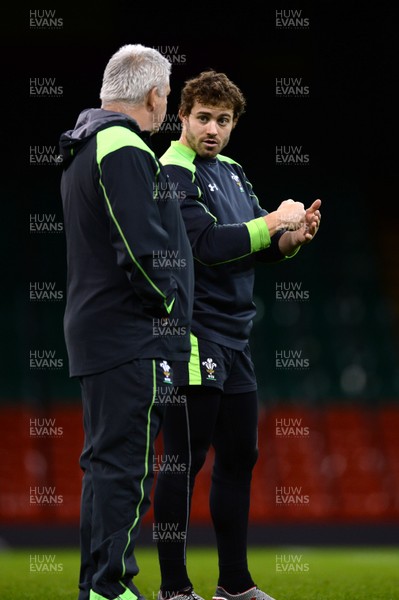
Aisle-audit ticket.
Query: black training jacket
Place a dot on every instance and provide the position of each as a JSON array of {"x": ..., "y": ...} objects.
[
  {"x": 228, "y": 234},
  {"x": 129, "y": 261}
]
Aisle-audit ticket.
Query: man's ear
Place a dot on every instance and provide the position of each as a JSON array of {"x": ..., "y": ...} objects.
[
  {"x": 150, "y": 102},
  {"x": 182, "y": 117},
  {"x": 235, "y": 121}
]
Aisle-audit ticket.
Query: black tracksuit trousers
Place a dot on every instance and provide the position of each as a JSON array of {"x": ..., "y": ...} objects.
[{"x": 121, "y": 421}]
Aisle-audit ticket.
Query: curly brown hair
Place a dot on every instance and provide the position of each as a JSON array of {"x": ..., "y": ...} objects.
[{"x": 212, "y": 89}]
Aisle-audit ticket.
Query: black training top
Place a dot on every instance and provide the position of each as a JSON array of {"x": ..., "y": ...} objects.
[
  {"x": 130, "y": 269},
  {"x": 228, "y": 235}
]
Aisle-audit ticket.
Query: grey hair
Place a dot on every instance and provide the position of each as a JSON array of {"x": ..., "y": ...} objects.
[{"x": 132, "y": 72}]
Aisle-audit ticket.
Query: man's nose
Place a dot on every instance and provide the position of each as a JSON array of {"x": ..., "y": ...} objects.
[{"x": 211, "y": 127}]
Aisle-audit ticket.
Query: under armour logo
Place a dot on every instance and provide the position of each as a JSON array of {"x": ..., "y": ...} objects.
[{"x": 212, "y": 186}]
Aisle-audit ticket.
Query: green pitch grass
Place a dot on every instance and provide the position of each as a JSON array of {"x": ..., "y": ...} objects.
[{"x": 285, "y": 573}]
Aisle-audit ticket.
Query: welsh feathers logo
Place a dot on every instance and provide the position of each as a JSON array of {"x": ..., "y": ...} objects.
[
  {"x": 166, "y": 371},
  {"x": 210, "y": 368},
  {"x": 237, "y": 180}
]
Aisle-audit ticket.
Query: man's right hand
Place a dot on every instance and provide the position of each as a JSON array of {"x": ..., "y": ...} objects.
[{"x": 290, "y": 215}]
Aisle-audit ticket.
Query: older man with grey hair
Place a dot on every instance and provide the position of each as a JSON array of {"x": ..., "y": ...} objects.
[{"x": 118, "y": 218}]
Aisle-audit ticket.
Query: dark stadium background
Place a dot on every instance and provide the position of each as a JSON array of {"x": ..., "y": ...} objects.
[{"x": 344, "y": 396}]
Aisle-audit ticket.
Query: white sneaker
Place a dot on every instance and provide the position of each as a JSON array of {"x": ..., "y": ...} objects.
[
  {"x": 253, "y": 593},
  {"x": 187, "y": 594}
]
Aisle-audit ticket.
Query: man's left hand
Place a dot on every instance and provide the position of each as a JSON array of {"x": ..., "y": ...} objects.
[{"x": 305, "y": 234}]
